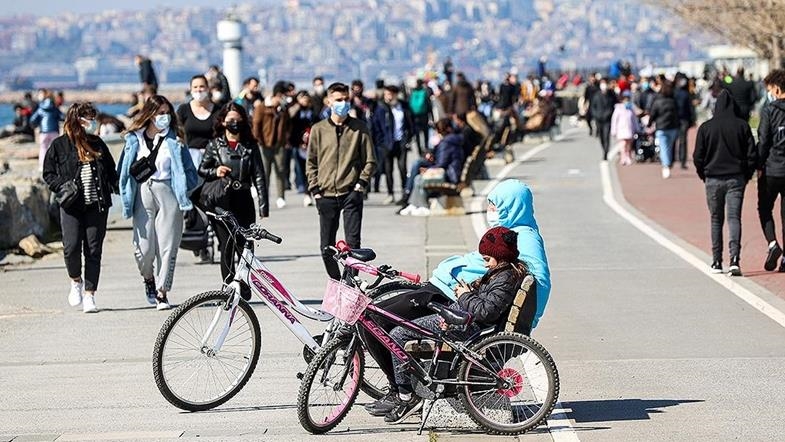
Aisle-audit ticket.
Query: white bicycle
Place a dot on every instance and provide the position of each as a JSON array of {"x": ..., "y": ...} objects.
[{"x": 209, "y": 345}]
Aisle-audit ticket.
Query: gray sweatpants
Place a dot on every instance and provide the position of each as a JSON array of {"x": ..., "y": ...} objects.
[{"x": 158, "y": 229}]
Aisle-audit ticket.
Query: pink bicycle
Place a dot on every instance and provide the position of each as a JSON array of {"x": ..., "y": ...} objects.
[{"x": 209, "y": 346}]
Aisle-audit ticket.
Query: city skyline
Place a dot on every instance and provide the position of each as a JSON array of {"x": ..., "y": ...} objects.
[{"x": 56, "y": 7}]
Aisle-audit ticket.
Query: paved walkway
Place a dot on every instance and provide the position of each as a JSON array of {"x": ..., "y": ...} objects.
[{"x": 679, "y": 205}]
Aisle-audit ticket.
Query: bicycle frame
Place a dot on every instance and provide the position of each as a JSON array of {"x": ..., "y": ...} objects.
[{"x": 426, "y": 377}]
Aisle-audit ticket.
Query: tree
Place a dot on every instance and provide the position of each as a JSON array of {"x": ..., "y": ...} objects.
[{"x": 756, "y": 24}]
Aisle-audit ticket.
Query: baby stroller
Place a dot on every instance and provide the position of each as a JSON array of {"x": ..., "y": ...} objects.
[
  {"x": 645, "y": 148},
  {"x": 198, "y": 234}
]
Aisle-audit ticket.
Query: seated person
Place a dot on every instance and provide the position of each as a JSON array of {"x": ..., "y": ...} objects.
[
  {"x": 538, "y": 115},
  {"x": 21, "y": 125},
  {"x": 471, "y": 137},
  {"x": 448, "y": 156},
  {"x": 510, "y": 204},
  {"x": 487, "y": 299}
]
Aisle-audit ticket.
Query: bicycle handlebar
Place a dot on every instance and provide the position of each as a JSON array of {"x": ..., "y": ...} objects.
[
  {"x": 341, "y": 251},
  {"x": 255, "y": 232}
]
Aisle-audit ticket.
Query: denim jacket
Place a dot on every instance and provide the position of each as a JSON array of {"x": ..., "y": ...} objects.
[{"x": 184, "y": 177}]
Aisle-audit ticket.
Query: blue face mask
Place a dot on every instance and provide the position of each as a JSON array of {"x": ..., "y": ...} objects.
[
  {"x": 628, "y": 105},
  {"x": 341, "y": 108}
]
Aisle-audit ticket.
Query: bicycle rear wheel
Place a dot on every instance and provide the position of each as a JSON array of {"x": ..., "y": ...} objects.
[
  {"x": 531, "y": 390},
  {"x": 188, "y": 373},
  {"x": 330, "y": 386}
]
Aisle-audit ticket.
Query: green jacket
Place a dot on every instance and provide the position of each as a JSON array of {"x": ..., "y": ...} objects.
[{"x": 335, "y": 168}]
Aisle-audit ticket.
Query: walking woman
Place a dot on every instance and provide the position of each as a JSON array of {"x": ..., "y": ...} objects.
[
  {"x": 197, "y": 118},
  {"x": 664, "y": 115},
  {"x": 82, "y": 158},
  {"x": 157, "y": 203},
  {"x": 47, "y": 116},
  {"x": 234, "y": 157}
]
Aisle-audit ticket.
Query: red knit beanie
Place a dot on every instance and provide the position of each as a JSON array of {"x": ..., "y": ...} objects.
[{"x": 500, "y": 243}]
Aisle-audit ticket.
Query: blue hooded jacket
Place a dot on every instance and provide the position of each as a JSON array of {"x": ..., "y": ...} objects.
[{"x": 513, "y": 201}]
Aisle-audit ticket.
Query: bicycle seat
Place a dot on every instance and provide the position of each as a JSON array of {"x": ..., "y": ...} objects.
[
  {"x": 451, "y": 316},
  {"x": 363, "y": 255}
]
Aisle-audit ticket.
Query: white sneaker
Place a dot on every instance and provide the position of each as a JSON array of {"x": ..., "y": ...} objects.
[
  {"x": 162, "y": 304},
  {"x": 307, "y": 201},
  {"x": 408, "y": 210},
  {"x": 88, "y": 304},
  {"x": 280, "y": 203},
  {"x": 421, "y": 211},
  {"x": 666, "y": 173},
  {"x": 75, "y": 295}
]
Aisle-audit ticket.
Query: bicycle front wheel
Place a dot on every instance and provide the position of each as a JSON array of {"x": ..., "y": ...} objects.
[
  {"x": 190, "y": 372},
  {"x": 528, "y": 394},
  {"x": 330, "y": 386}
]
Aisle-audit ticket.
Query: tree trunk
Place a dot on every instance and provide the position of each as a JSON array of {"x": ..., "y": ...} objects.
[{"x": 776, "y": 53}]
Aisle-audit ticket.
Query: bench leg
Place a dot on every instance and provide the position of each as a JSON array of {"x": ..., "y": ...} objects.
[{"x": 447, "y": 205}]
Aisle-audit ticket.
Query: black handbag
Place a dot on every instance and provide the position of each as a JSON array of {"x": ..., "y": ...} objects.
[
  {"x": 143, "y": 168},
  {"x": 215, "y": 193},
  {"x": 67, "y": 194}
]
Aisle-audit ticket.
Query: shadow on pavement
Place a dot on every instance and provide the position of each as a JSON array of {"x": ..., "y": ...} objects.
[
  {"x": 240, "y": 409},
  {"x": 31, "y": 269},
  {"x": 280, "y": 258},
  {"x": 619, "y": 409}
]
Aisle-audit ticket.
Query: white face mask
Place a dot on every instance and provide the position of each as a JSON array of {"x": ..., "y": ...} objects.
[
  {"x": 200, "y": 96},
  {"x": 161, "y": 121},
  {"x": 218, "y": 96},
  {"x": 492, "y": 218}
]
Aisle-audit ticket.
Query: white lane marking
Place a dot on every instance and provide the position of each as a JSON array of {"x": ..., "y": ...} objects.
[
  {"x": 737, "y": 289},
  {"x": 559, "y": 425}
]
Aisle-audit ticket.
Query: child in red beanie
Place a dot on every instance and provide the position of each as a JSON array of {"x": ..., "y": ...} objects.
[{"x": 486, "y": 299}]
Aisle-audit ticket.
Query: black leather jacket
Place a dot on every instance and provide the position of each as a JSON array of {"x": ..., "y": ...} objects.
[{"x": 246, "y": 165}]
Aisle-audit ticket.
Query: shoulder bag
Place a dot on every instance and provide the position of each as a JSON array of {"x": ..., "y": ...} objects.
[
  {"x": 68, "y": 192},
  {"x": 143, "y": 168}
]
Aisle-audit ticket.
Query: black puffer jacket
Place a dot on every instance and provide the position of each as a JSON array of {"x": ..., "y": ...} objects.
[
  {"x": 771, "y": 139},
  {"x": 61, "y": 164},
  {"x": 664, "y": 113},
  {"x": 493, "y": 295},
  {"x": 246, "y": 165}
]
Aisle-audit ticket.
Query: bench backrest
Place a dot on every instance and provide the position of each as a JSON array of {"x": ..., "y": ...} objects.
[{"x": 523, "y": 308}]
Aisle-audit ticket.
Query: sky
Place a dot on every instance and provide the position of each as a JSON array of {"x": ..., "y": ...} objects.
[{"x": 54, "y": 7}]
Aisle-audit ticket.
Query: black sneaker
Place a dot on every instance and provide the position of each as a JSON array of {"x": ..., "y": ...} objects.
[
  {"x": 716, "y": 267},
  {"x": 734, "y": 269},
  {"x": 150, "y": 291},
  {"x": 382, "y": 406},
  {"x": 772, "y": 256},
  {"x": 403, "y": 409},
  {"x": 782, "y": 266}
]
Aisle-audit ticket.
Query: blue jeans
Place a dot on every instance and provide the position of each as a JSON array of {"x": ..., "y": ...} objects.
[
  {"x": 413, "y": 172},
  {"x": 665, "y": 139}
]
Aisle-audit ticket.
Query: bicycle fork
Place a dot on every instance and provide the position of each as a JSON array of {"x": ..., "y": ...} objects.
[{"x": 231, "y": 308}]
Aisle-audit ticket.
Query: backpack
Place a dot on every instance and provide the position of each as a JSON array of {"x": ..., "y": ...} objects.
[{"x": 418, "y": 101}]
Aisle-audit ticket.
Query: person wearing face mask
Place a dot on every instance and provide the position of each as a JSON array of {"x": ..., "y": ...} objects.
[
  {"x": 233, "y": 153},
  {"x": 602, "y": 104},
  {"x": 510, "y": 205},
  {"x": 271, "y": 127},
  {"x": 81, "y": 155},
  {"x": 339, "y": 166},
  {"x": 392, "y": 127},
  {"x": 664, "y": 116},
  {"x": 47, "y": 118},
  {"x": 318, "y": 96},
  {"x": 197, "y": 118},
  {"x": 158, "y": 203}
]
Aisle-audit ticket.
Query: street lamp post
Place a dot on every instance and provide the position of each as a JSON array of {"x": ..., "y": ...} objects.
[{"x": 230, "y": 33}]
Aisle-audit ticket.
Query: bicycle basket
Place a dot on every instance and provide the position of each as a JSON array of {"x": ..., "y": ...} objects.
[{"x": 344, "y": 302}]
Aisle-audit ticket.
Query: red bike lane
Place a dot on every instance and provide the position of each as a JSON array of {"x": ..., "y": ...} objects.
[{"x": 679, "y": 205}]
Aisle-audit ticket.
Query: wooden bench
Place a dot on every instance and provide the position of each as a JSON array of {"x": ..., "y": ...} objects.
[{"x": 448, "y": 196}]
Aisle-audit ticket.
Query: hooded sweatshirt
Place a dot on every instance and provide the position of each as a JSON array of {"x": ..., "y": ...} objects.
[
  {"x": 771, "y": 139},
  {"x": 724, "y": 145},
  {"x": 513, "y": 201}
]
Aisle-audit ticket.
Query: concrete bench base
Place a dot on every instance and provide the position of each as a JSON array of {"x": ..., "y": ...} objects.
[{"x": 447, "y": 206}]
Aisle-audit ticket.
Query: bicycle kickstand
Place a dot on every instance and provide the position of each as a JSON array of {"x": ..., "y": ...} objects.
[{"x": 437, "y": 396}]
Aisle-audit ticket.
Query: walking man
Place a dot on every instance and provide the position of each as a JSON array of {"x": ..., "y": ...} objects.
[
  {"x": 339, "y": 166},
  {"x": 725, "y": 159},
  {"x": 771, "y": 165},
  {"x": 393, "y": 128},
  {"x": 602, "y": 105}
]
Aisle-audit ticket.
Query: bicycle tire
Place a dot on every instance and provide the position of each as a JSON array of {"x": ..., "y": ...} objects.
[
  {"x": 165, "y": 333},
  {"x": 327, "y": 355},
  {"x": 549, "y": 400}
]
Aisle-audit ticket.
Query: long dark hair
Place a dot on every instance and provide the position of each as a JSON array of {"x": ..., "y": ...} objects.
[
  {"x": 76, "y": 132},
  {"x": 219, "y": 131},
  {"x": 147, "y": 114}
]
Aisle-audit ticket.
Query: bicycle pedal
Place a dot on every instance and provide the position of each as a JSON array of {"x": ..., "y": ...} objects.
[{"x": 300, "y": 376}]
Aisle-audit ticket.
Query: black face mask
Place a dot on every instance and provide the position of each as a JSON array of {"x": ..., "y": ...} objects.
[{"x": 233, "y": 128}]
